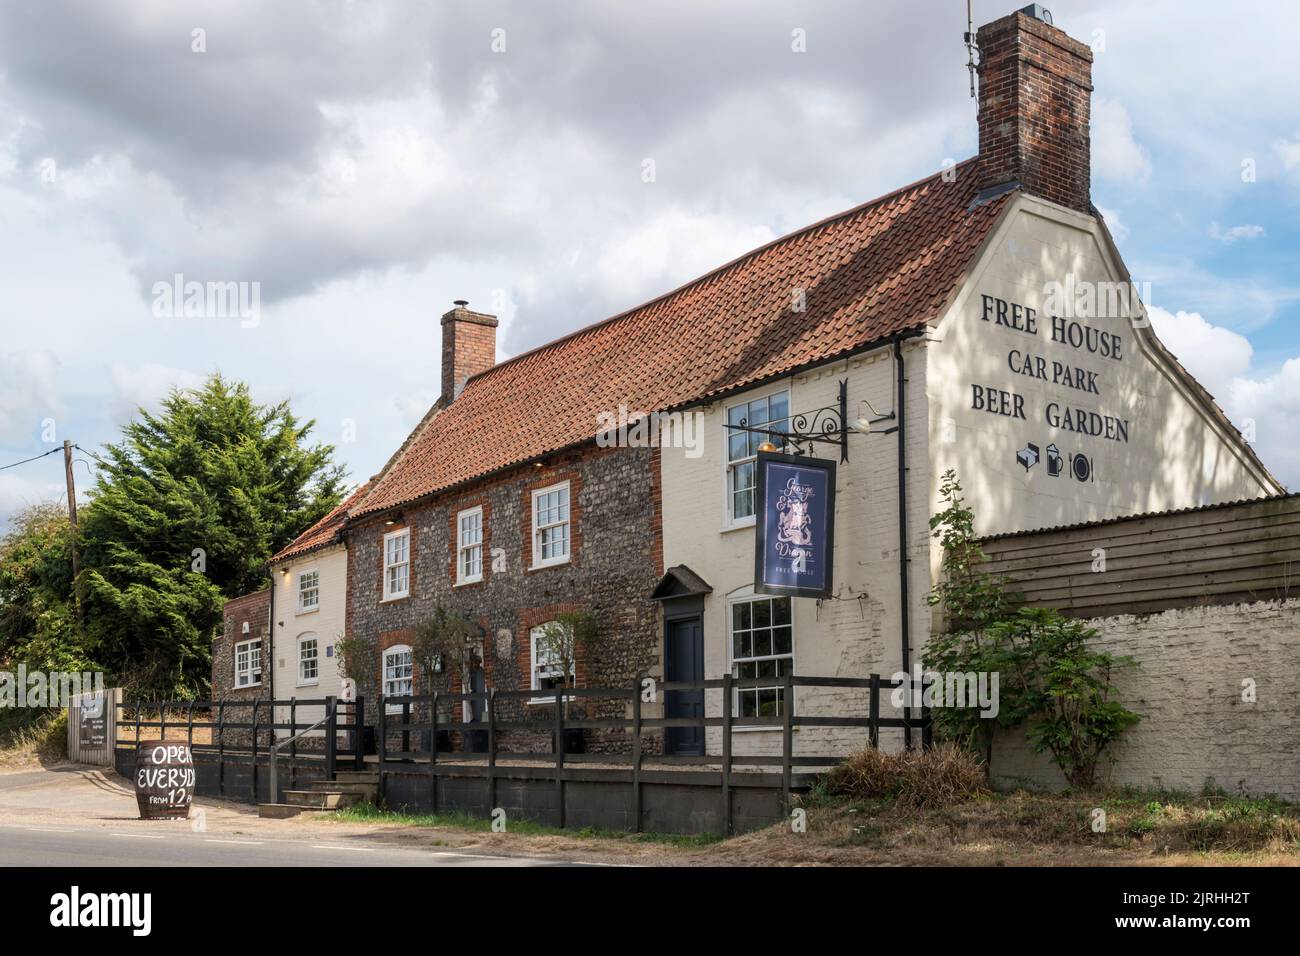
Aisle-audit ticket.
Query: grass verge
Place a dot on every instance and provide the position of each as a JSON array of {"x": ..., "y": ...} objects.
[
  {"x": 33, "y": 737},
  {"x": 369, "y": 813}
]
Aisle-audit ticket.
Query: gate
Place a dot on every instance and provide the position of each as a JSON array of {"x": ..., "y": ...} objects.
[{"x": 92, "y": 727}]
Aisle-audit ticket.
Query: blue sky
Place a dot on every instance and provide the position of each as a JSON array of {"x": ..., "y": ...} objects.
[{"x": 367, "y": 164}]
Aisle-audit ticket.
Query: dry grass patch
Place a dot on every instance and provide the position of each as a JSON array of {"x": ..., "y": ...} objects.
[{"x": 911, "y": 779}]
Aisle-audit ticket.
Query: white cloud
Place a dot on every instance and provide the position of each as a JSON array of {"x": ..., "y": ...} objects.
[
  {"x": 673, "y": 248},
  {"x": 1288, "y": 152},
  {"x": 1114, "y": 223},
  {"x": 1214, "y": 355},
  {"x": 1261, "y": 405},
  {"x": 29, "y": 394},
  {"x": 1233, "y": 233},
  {"x": 1115, "y": 153},
  {"x": 17, "y": 492},
  {"x": 413, "y": 406},
  {"x": 145, "y": 386}
]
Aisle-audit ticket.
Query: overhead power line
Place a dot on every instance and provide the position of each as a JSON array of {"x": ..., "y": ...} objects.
[{"x": 34, "y": 458}]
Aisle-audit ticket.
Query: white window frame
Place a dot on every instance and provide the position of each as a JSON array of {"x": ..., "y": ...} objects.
[
  {"x": 731, "y": 465},
  {"x": 245, "y": 674},
  {"x": 390, "y": 593},
  {"x": 462, "y": 549},
  {"x": 316, "y": 658},
  {"x": 553, "y": 669},
  {"x": 385, "y": 680},
  {"x": 567, "y": 524},
  {"x": 734, "y": 662},
  {"x": 305, "y": 608}
]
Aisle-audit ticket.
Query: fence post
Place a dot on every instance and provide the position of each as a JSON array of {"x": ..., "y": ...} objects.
[
  {"x": 253, "y": 775},
  {"x": 787, "y": 736},
  {"x": 726, "y": 753},
  {"x": 359, "y": 732},
  {"x": 273, "y": 791},
  {"x": 162, "y": 731},
  {"x": 492, "y": 748},
  {"x": 433, "y": 750},
  {"x": 406, "y": 727},
  {"x": 559, "y": 752},
  {"x": 293, "y": 740},
  {"x": 331, "y": 736},
  {"x": 137, "y": 723},
  {"x": 221, "y": 747},
  {"x": 189, "y": 729},
  {"x": 636, "y": 755},
  {"x": 873, "y": 728},
  {"x": 381, "y": 743},
  {"x": 927, "y": 721}
]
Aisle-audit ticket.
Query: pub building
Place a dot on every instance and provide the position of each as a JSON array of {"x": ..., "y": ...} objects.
[
  {"x": 979, "y": 320},
  {"x": 942, "y": 307}
]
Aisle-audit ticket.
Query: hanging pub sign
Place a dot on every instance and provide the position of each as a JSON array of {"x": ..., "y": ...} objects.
[{"x": 795, "y": 525}]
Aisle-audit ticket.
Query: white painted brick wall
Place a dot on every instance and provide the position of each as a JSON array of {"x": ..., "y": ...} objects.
[{"x": 1196, "y": 728}]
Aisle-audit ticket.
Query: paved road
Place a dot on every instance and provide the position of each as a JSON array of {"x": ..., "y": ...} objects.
[
  {"x": 73, "y": 816},
  {"x": 57, "y": 846}
]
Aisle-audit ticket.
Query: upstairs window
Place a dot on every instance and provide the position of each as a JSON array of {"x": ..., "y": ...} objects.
[
  {"x": 469, "y": 546},
  {"x": 771, "y": 411},
  {"x": 551, "y": 525},
  {"x": 397, "y": 564},
  {"x": 308, "y": 591}
]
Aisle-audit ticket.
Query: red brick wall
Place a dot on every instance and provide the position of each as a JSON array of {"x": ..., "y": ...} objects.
[
  {"x": 255, "y": 609},
  {"x": 469, "y": 346},
  {"x": 1034, "y": 94}
]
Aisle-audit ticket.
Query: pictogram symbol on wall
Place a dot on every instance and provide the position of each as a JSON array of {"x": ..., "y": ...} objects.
[{"x": 1028, "y": 456}]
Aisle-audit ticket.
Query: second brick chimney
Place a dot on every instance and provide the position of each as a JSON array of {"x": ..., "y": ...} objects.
[
  {"x": 469, "y": 346},
  {"x": 1035, "y": 86}
]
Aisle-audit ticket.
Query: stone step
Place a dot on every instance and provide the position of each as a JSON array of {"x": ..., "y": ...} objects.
[
  {"x": 279, "y": 811},
  {"x": 356, "y": 776},
  {"x": 320, "y": 799},
  {"x": 368, "y": 791}
]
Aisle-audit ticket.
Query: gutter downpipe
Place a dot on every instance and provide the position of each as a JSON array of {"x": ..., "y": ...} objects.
[
  {"x": 268, "y": 655},
  {"x": 905, "y": 606}
]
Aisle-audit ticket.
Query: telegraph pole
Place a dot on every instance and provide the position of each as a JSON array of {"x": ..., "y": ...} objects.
[{"x": 72, "y": 518}]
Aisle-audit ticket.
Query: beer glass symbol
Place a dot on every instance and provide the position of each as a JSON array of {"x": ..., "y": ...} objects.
[{"x": 1054, "y": 462}]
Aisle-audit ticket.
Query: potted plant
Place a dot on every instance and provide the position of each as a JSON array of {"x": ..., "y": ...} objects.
[
  {"x": 443, "y": 643},
  {"x": 560, "y": 641}
]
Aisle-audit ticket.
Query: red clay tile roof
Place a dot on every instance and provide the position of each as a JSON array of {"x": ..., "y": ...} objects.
[
  {"x": 882, "y": 268},
  {"x": 323, "y": 532}
]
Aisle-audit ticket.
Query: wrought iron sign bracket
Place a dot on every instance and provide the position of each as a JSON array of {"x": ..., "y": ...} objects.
[{"x": 827, "y": 425}]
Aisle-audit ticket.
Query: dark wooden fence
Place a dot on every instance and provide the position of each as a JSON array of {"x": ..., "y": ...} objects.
[
  {"x": 1221, "y": 554},
  {"x": 240, "y": 733},
  {"x": 419, "y": 737}
]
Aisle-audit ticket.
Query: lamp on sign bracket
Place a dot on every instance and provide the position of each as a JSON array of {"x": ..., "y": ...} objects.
[{"x": 868, "y": 425}]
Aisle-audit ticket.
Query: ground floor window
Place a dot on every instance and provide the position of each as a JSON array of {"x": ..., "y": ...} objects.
[
  {"x": 547, "y": 667},
  {"x": 762, "y": 647},
  {"x": 308, "y": 659},
  {"x": 248, "y": 663},
  {"x": 398, "y": 671}
]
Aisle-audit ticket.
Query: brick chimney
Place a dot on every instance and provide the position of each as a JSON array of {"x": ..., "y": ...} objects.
[
  {"x": 469, "y": 346},
  {"x": 1035, "y": 84}
]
